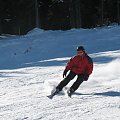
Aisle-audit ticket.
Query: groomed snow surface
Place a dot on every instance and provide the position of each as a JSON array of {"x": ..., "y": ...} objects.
[{"x": 32, "y": 65}]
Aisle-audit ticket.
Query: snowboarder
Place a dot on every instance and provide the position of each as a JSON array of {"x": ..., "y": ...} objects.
[{"x": 80, "y": 65}]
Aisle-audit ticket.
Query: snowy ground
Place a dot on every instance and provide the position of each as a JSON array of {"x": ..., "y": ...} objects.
[{"x": 31, "y": 65}]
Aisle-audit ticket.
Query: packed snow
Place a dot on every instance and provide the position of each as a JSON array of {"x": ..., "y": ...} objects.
[{"x": 32, "y": 65}]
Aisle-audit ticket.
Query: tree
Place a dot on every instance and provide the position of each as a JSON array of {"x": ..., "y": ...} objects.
[
  {"x": 118, "y": 11},
  {"x": 75, "y": 13}
]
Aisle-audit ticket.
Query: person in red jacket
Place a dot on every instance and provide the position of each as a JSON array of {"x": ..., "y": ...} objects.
[{"x": 80, "y": 65}]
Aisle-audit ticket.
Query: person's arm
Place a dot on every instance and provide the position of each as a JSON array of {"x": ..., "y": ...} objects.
[
  {"x": 89, "y": 69},
  {"x": 69, "y": 64},
  {"x": 89, "y": 66},
  {"x": 68, "y": 67}
]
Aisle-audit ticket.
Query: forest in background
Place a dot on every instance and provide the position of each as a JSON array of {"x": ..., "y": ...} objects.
[{"x": 18, "y": 17}]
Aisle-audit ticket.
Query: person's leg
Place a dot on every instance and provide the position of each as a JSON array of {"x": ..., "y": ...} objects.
[
  {"x": 77, "y": 83},
  {"x": 66, "y": 80}
]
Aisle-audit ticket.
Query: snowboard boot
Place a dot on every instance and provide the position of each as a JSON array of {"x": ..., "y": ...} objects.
[{"x": 70, "y": 92}]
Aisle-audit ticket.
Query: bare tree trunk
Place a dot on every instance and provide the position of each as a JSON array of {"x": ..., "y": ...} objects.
[
  {"x": 72, "y": 14},
  {"x": 102, "y": 12},
  {"x": 78, "y": 14},
  {"x": 0, "y": 27},
  {"x": 118, "y": 11},
  {"x": 36, "y": 14},
  {"x": 75, "y": 14}
]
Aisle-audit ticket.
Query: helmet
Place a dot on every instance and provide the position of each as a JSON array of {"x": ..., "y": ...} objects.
[{"x": 80, "y": 48}]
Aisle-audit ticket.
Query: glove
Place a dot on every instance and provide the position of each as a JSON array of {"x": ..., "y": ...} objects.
[
  {"x": 64, "y": 73},
  {"x": 86, "y": 76}
]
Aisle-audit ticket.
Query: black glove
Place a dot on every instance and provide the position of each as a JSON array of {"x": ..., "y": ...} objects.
[
  {"x": 86, "y": 76},
  {"x": 64, "y": 73}
]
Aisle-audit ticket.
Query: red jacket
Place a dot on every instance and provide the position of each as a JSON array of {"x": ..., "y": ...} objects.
[{"x": 80, "y": 64}]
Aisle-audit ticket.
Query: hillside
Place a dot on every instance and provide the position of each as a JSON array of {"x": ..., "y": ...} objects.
[{"x": 32, "y": 65}]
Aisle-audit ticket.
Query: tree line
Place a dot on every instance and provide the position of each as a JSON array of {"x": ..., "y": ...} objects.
[
  {"x": 20, "y": 16},
  {"x": 68, "y": 14}
]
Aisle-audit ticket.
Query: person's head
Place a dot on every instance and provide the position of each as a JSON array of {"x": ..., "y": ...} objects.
[{"x": 80, "y": 50}]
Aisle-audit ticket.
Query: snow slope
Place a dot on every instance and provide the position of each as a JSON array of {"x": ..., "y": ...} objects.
[{"x": 32, "y": 65}]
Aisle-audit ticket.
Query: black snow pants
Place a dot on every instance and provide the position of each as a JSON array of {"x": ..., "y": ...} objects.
[{"x": 69, "y": 77}]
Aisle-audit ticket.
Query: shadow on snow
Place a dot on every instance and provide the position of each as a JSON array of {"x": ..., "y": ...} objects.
[{"x": 109, "y": 93}]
